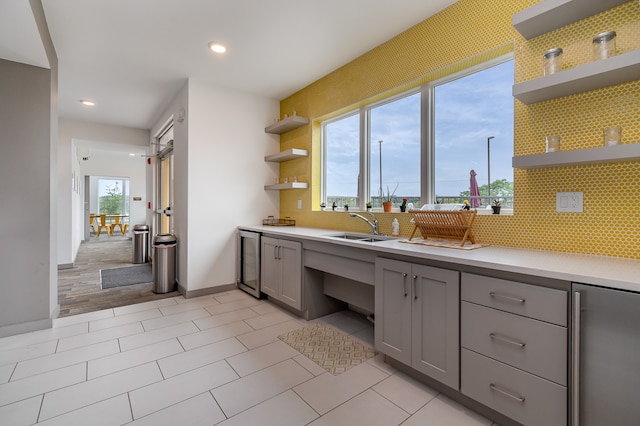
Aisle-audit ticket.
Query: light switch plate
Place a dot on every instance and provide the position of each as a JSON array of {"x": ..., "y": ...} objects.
[{"x": 569, "y": 202}]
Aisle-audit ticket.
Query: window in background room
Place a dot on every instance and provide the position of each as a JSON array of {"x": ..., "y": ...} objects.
[
  {"x": 473, "y": 130},
  {"x": 394, "y": 146},
  {"x": 341, "y": 138},
  {"x": 113, "y": 196}
]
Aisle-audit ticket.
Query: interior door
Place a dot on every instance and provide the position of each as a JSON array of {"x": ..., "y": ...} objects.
[
  {"x": 166, "y": 194},
  {"x": 164, "y": 207}
]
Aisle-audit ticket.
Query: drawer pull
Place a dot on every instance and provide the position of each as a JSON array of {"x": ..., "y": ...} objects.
[
  {"x": 505, "y": 297},
  {"x": 507, "y": 340},
  {"x": 506, "y": 393}
]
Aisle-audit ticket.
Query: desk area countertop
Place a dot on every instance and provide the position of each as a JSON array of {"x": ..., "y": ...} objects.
[{"x": 623, "y": 274}]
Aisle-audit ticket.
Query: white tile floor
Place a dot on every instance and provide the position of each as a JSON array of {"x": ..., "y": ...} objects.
[{"x": 209, "y": 360}]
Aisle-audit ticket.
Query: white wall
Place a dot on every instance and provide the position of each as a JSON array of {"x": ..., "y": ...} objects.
[
  {"x": 103, "y": 141},
  {"x": 219, "y": 177},
  {"x": 226, "y": 174}
]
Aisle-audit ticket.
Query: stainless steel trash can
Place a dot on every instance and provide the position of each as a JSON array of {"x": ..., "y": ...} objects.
[
  {"x": 164, "y": 263},
  {"x": 140, "y": 251}
]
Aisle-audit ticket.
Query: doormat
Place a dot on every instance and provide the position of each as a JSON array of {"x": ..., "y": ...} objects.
[
  {"x": 129, "y": 275},
  {"x": 331, "y": 349},
  {"x": 455, "y": 244}
]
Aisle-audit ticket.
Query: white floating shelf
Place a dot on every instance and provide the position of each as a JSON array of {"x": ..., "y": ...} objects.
[
  {"x": 290, "y": 185},
  {"x": 287, "y": 124},
  {"x": 606, "y": 154},
  {"x": 289, "y": 154},
  {"x": 549, "y": 15},
  {"x": 594, "y": 75}
]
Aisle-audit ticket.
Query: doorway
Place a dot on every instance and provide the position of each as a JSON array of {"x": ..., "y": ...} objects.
[{"x": 108, "y": 195}]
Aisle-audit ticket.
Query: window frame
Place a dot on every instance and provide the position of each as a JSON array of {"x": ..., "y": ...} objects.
[{"x": 427, "y": 132}]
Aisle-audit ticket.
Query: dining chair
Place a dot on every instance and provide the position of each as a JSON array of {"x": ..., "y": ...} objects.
[
  {"x": 92, "y": 222},
  {"x": 117, "y": 223},
  {"x": 103, "y": 224}
]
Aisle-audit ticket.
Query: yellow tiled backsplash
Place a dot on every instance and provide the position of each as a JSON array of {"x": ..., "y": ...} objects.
[{"x": 610, "y": 222}]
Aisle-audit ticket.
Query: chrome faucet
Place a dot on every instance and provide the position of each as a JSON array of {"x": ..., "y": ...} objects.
[{"x": 373, "y": 225}]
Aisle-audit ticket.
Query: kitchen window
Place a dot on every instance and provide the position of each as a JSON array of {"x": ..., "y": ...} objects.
[{"x": 422, "y": 144}]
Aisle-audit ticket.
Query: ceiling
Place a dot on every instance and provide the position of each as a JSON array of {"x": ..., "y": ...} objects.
[{"x": 132, "y": 56}]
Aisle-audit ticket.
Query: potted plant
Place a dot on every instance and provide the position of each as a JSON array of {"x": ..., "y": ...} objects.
[
  {"x": 403, "y": 206},
  {"x": 369, "y": 205},
  {"x": 387, "y": 203},
  {"x": 495, "y": 206}
]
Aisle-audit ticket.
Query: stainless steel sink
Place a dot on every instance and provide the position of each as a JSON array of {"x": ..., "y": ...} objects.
[{"x": 367, "y": 238}]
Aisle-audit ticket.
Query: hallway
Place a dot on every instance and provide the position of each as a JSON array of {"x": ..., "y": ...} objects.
[{"x": 79, "y": 288}]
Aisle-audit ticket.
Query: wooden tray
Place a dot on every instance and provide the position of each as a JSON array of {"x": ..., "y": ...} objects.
[
  {"x": 455, "y": 225},
  {"x": 271, "y": 221}
]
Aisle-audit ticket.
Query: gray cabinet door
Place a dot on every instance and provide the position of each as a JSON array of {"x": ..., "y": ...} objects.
[
  {"x": 269, "y": 266},
  {"x": 281, "y": 270},
  {"x": 417, "y": 318},
  {"x": 393, "y": 309},
  {"x": 291, "y": 273},
  {"x": 435, "y": 323}
]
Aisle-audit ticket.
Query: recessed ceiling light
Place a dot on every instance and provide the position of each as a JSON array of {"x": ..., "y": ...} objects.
[
  {"x": 131, "y": 154},
  {"x": 86, "y": 102},
  {"x": 217, "y": 47}
]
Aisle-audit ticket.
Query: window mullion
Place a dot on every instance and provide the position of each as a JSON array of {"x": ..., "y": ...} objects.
[
  {"x": 323, "y": 169},
  {"x": 364, "y": 179},
  {"x": 427, "y": 143}
]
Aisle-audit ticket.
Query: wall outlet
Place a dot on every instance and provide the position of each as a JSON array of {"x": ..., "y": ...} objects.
[
  {"x": 299, "y": 204},
  {"x": 569, "y": 202}
]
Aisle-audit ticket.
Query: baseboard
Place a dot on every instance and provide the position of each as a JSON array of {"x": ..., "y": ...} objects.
[
  {"x": 65, "y": 266},
  {"x": 187, "y": 294},
  {"x": 27, "y": 327}
]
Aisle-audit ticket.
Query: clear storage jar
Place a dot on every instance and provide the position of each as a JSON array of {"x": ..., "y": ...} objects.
[
  {"x": 604, "y": 45},
  {"x": 612, "y": 135},
  {"x": 553, "y": 143},
  {"x": 552, "y": 61}
]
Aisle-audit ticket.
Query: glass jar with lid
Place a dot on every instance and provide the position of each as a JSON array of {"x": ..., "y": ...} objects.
[
  {"x": 604, "y": 45},
  {"x": 552, "y": 61}
]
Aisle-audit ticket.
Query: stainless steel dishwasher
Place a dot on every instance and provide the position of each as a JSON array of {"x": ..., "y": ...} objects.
[
  {"x": 248, "y": 262},
  {"x": 606, "y": 356}
]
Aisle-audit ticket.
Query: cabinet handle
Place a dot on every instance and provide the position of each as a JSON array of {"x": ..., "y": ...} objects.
[
  {"x": 279, "y": 252},
  {"x": 575, "y": 349},
  {"x": 506, "y": 393},
  {"x": 507, "y": 340},
  {"x": 404, "y": 283},
  {"x": 505, "y": 297},
  {"x": 415, "y": 288},
  {"x": 275, "y": 252}
]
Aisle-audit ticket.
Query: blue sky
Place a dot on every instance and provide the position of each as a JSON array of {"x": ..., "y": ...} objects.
[{"x": 468, "y": 111}]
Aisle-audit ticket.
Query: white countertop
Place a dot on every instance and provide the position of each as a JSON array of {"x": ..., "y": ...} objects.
[{"x": 623, "y": 274}]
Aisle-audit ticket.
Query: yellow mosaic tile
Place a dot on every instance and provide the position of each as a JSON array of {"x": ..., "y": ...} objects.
[{"x": 610, "y": 223}]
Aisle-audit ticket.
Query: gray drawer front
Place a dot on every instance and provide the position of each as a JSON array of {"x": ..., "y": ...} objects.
[
  {"x": 545, "y": 403},
  {"x": 353, "y": 269},
  {"x": 531, "y": 345},
  {"x": 545, "y": 304}
]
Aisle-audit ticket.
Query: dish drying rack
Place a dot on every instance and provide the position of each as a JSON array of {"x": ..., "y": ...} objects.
[{"x": 447, "y": 224}]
